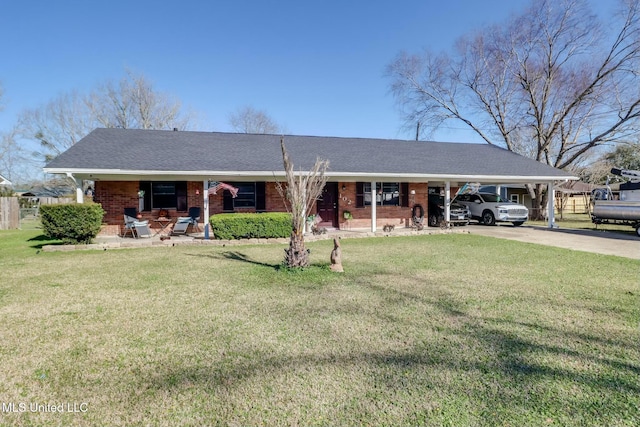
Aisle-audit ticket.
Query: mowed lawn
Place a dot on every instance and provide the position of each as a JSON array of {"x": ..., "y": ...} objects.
[{"x": 442, "y": 330}]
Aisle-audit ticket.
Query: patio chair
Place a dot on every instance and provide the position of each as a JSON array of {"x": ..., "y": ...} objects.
[
  {"x": 194, "y": 214},
  {"x": 142, "y": 228},
  {"x": 181, "y": 225},
  {"x": 183, "y": 222},
  {"x": 128, "y": 226}
]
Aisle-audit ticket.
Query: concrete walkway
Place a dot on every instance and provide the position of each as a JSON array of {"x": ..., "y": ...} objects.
[{"x": 601, "y": 242}]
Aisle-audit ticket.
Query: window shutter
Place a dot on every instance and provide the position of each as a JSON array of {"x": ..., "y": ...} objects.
[
  {"x": 261, "y": 197},
  {"x": 359, "y": 194},
  {"x": 146, "y": 187},
  {"x": 181, "y": 195},
  {"x": 404, "y": 194},
  {"x": 227, "y": 201}
]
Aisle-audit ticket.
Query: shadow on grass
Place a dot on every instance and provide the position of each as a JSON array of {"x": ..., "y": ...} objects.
[
  {"x": 520, "y": 368},
  {"x": 44, "y": 241}
]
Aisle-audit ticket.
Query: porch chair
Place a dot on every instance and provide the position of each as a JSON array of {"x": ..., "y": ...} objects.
[
  {"x": 129, "y": 219},
  {"x": 142, "y": 228},
  {"x": 194, "y": 214},
  {"x": 183, "y": 222}
]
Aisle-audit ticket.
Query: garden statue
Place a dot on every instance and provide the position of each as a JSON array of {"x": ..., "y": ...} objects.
[{"x": 336, "y": 257}]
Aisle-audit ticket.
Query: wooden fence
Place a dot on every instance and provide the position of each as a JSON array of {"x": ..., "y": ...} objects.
[{"x": 9, "y": 213}]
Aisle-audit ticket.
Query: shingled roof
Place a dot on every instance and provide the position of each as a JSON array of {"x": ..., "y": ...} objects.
[{"x": 129, "y": 153}]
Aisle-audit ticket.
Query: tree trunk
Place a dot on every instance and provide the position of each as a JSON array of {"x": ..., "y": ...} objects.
[
  {"x": 296, "y": 255},
  {"x": 539, "y": 204}
]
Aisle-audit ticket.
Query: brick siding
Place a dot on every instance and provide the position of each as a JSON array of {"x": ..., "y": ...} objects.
[{"x": 114, "y": 196}]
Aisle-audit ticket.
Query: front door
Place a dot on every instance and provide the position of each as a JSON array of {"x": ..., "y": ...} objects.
[{"x": 328, "y": 205}]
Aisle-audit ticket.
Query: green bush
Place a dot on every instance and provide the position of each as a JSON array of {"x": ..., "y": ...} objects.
[
  {"x": 251, "y": 225},
  {"x": 72, "y": 223}
]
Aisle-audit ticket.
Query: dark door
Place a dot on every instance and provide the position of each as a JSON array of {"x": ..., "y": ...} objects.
[{"x": 328, "y": 205}]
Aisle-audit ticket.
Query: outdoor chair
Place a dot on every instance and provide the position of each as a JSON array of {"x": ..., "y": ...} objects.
[
  {"x": 181, "y": 225},
  {"x": 183, "y": 222},
  {"x": 194, "y": 214},
  {"x": 142, "y": 228},
  {"x": 128, "y": 226}
]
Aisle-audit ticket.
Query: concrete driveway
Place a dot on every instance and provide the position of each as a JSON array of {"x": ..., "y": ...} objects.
[{"x": 601, "y": 242}]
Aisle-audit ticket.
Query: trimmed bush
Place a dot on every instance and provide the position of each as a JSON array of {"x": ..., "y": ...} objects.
[
  {"x": 72, "y": 223},
  {"x": 251, "y": 225}
]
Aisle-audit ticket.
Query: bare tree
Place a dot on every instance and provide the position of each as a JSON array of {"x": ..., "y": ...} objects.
[
  {"x": 132, "y": 103},
  {"x": 16, "y": 163},
  {"x": 551, "y": 84},
  {"x": 249, "y": 120},
  {"x": 300, "y": 194},
  {"x": 57, "y": 125}
]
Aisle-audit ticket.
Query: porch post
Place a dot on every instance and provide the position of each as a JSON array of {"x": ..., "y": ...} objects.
[
  {"x": 447, "y": 201},
  {"x": 205, "y": 194},
  {"x": 551, "y": 204},
  {"x": 374, "y": 218},
  {"x": 78, "y": 183}
]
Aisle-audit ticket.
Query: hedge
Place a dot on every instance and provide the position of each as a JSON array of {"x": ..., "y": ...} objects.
[
  {"x": 251, "y": 225},
  {"x": 72, "y": 223}
]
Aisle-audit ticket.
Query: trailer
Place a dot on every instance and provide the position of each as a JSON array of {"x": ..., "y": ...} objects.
[{"x": 626, "y": 209}]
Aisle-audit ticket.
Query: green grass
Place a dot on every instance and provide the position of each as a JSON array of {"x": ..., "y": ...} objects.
[{"x": 439, "y": 330}]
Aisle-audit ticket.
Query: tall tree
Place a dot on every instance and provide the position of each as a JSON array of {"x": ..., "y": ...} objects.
[
  {"x": 551, "y": 84},
  {"x": 249, "y": 120},
  {"x": 131, "y": 103},
  {"x": 300, "y": 193}
]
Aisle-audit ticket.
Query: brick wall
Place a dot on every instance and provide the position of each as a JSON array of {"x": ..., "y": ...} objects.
[
  {"x": 397, "y": 216},
  {"x": 116, "y": 195}
]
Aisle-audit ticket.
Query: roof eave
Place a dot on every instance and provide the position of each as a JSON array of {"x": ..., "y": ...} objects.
[{"x": 122, "y": 175}]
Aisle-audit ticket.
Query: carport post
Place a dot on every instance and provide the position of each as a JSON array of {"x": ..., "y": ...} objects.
[
  {"x": 551, "y": 203},
  {"x": 205, "y": 197},
  {"x": 374, "y": 218},
  {"x": 447, "y": 201}
]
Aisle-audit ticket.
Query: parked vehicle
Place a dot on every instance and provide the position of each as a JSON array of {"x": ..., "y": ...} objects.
[
  {"x": 458, "y": 214},
  {"x": 626, "y": 209},
  {"x": 489, "y": 208}
]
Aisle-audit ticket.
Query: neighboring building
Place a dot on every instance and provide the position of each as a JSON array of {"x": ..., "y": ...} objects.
[{"x": 171, "y": 170}]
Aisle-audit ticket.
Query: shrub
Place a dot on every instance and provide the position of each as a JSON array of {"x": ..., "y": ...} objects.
[
  {"x": 251, "y": 225},
  {"x": 72, "y": 223}
]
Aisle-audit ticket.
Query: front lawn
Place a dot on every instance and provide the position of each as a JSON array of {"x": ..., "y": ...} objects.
[{"x": 452, "y": 329}]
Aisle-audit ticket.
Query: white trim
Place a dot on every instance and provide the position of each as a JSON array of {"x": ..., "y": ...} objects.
[{"x": 119, "y": 174}]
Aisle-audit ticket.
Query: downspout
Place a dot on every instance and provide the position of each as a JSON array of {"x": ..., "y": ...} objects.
[{"x": 79, "y": 192}]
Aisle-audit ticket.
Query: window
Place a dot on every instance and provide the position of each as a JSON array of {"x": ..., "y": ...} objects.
[
  {"x": 387, "y": 194},
  {"x": 164, "y": 195},
  {"x": 251, "y": 195},
  {"x": 514, "y": 198}
]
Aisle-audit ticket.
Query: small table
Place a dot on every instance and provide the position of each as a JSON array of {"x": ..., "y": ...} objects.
[{"x": 164, "y": 223}]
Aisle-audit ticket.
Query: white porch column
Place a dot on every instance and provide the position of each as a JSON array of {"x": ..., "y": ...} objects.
[
  {"x": 205, "y": 198},
  {"x": 79, "y": 192},
  {"x": 374, "y": 197},
  {"x": 551, "y": 204},
  {"x": 447, "y": 201}
]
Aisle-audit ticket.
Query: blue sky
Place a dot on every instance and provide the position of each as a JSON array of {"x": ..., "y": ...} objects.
[{"x": 317, "y": 67}]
